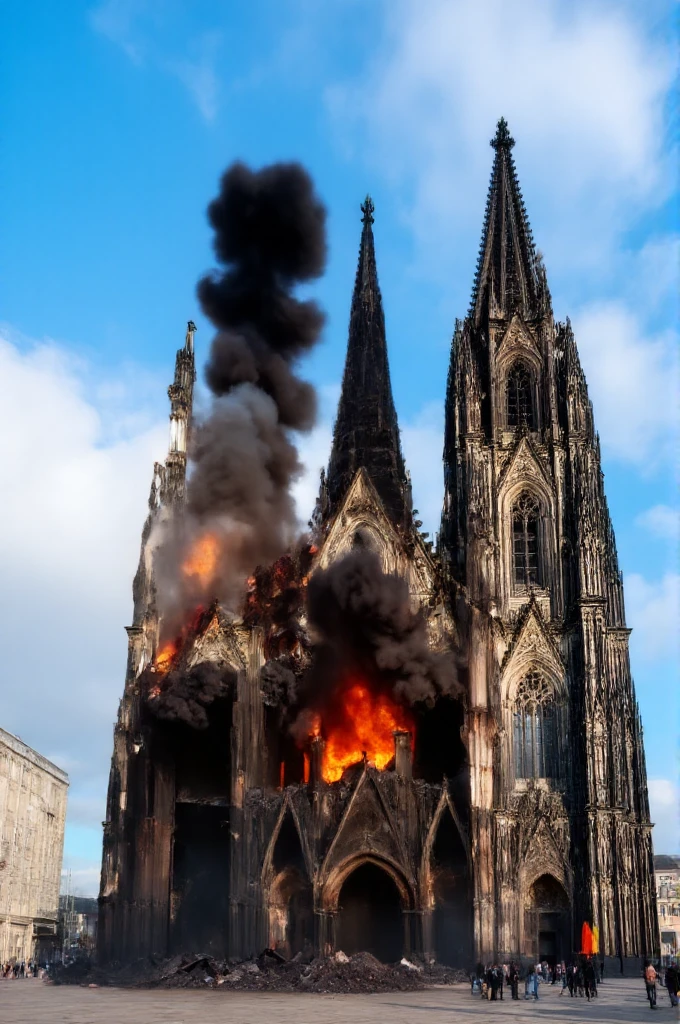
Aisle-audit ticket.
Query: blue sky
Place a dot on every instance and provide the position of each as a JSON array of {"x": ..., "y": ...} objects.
[{"x": 119, "y": 118}]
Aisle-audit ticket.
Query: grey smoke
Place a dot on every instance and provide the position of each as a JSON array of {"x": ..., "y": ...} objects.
[
  {"x": 186, "y": 694},
  {"x": 270, "y": 237},
  {"x": 365, "y": 623}
]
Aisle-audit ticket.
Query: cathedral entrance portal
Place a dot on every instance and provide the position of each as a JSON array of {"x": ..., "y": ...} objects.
[
  {"x": 548, "y": 921},
  {"x": 370, "y": 915}
]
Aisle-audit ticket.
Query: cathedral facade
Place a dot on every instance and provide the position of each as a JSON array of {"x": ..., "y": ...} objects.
[{"x": 504, "y": 818}]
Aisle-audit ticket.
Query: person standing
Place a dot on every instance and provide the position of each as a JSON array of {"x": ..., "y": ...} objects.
[
  {"x": 672, "y": 983},
  {"x": 570, "y": 979},
  {"x": 650, "y": 984},
  {"x": 513, "y": 977},
  {"x": 493, "y": 982}
]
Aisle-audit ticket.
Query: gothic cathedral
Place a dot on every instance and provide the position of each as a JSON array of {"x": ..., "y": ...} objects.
[{"x": 512, "y": 814}]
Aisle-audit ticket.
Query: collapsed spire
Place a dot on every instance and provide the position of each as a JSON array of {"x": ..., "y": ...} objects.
[
  {"x": 509, "y": 275},
  {"x": 366, "y": 430}
]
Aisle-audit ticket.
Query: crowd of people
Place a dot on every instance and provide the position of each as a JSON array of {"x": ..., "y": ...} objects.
[
  {"x": 579, "y": 978},
  {"x": 20, "y": 969}
]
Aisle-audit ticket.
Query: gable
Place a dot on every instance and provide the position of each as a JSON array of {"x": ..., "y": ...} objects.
[
  {"x": 541, "y": 855},
  {"x": 518, "y": 342},
  {"x": 219, "y": 641},
  {"x": 531, "y": 648},
  {"x": 524, "y": 467},
  {"x": 367, "y": 826},
  {"x": 362, "y": 510}
]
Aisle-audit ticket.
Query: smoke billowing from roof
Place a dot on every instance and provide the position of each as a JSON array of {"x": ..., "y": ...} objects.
[
  {"x": 186, "y": 694},
  {"x": 367, "y": 627},
  {"x": 269, "y": 237}
]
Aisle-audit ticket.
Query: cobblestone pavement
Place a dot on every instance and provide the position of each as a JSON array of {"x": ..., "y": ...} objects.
[{"x": 33, "y": 1002}]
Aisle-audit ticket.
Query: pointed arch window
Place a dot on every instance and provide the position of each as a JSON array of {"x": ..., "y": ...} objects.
[
  {"x": 535, "y": 737},
  {"x": 519, "y": 388},
  {"x": 525, "y": 553}
]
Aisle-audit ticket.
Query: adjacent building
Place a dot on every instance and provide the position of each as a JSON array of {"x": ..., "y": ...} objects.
[
  {"x": 77, "y": 930},
  {"x": 667, "y": 882},
  {"x": 32, "y": 816}
]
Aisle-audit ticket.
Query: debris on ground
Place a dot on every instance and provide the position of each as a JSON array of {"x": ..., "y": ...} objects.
[{"x": 269, "y": 972}]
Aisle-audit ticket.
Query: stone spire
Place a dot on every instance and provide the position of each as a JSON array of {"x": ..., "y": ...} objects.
[
  {"x": 181, "y": 395},
  {"x": 366, "y": 430},
  {"x": 509, "y": 275}
]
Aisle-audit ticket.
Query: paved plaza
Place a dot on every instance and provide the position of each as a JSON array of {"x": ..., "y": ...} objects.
[{"x": 31, "y": 1002}]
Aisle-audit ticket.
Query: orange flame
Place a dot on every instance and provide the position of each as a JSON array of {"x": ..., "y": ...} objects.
[
  {"x": 202, "y": 559},
  {"x": 168, "y": 651},
  {"x": 165, "y": 656},
  {"x": 366, "y": 725}
]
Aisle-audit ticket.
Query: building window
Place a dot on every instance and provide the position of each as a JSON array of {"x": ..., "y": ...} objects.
[
  {"x": 535, "y": 729},
  {"x": 519, "y": 397},
  {"x": 525, "y": 542}
]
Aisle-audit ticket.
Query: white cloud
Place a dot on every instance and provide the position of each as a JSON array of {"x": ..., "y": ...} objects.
[
  {"x": 664, "y": 805},
  {"x": 314, "y": 449},
  {"x": 116, "y": 20},
  {"x": 136, "y": 26},
  {"x": 633, "y": 384},
  {"x": 422, "y": 441},
  {"x": 653, "y": 612},
  {"x": 82, "y": 880},
  {"x": 76, "y": 477},
  {"x": 199, "y": 74},
  {"x": 655, "y": 270},
  {"x": 581, "y": 85},
  {"x": 661, "y": 521}
]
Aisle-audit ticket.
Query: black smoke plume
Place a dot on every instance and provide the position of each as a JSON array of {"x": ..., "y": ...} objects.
[
  {"x": 186, "y": 694},
  {"x": 270, "y": 237},
  {"x": 366, "y": 627}
]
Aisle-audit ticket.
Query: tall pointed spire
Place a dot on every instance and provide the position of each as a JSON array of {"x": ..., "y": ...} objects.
[
  {"x": 366, "y": 430},
  {"x": 509, "y": 275}
]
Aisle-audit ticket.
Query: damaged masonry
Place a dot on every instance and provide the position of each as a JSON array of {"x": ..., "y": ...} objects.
[{"x": 394, "y": 748}]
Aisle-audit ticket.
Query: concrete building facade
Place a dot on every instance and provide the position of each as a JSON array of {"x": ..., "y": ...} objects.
[
  {"x": 667, "y": 884},
  {"x": 32, "y": 816}
]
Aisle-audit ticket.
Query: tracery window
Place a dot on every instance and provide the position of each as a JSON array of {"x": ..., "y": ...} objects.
[
  {"x": 519, "y": 396},
  {"x": 525, "y": 561},
  {"x": 535, "y": 729}
]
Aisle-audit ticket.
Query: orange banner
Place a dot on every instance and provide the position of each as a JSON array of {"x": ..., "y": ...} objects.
[{"x": 586, "y": 939}]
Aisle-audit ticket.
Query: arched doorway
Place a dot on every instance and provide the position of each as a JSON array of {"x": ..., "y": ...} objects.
[
  {"x": 547, "y": 925},
  {"x": 452, "y": 895},
  {"x": 291, "y": 912},
  {"x": 370, "y": 915}
]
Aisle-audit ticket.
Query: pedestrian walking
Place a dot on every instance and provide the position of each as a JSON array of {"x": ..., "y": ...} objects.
[
  {"x": 589, "y": 981},
  {"x": 650, "y": 984},
  {"x": 672, "y": 983}
]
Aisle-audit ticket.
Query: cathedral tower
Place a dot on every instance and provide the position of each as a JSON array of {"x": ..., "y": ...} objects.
[
  {"x": 561, "y": 830},
  {"x": 366, "y": 433}
]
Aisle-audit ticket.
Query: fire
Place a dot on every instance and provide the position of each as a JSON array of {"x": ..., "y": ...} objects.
[
  {"x": 169, "y": 651},
  {"x": 366, "y": 724},
  {"x": 202, "y": 559},
  {"x": 165, "y": 656}
]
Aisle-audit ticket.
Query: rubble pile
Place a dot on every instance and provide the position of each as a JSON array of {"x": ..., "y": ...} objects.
[{"x": 269, "y": 972}]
